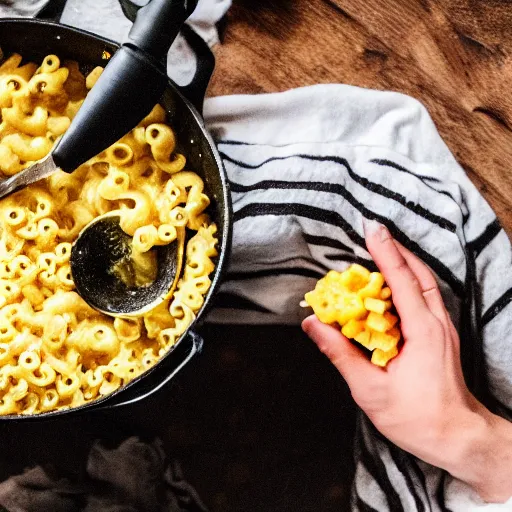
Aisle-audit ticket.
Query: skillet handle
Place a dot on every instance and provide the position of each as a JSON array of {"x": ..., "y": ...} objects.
[
  {"x": 196, "y": 346},
  {"x": 195, "y": 91}
]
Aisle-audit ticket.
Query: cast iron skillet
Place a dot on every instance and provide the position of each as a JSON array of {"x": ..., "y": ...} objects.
[{"x": 34, "y": 39}]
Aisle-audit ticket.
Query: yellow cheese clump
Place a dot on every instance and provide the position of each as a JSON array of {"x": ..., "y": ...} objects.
[{"x": 359, "y": 302}]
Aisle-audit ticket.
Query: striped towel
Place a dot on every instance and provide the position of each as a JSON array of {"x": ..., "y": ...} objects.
[{"x": 305, "y": 167}]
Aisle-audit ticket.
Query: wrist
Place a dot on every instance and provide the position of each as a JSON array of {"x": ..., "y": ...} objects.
[{"x": 479, "y": 453}]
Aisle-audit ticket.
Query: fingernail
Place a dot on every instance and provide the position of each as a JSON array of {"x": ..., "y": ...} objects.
[{"x": 373, "y": 228}]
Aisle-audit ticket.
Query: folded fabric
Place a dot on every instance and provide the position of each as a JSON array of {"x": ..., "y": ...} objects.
[
  {"x": 134, "y": 477},
  {"x": 305, "y": 167}
]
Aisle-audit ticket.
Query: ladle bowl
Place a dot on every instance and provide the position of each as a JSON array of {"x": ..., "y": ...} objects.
[{"x": 99, "y": 250}]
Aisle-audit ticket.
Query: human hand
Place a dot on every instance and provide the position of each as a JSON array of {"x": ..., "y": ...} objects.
[{"x": 420, "y": 401}]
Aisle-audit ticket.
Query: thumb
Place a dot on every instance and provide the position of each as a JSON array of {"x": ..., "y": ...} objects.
[{"x": 351, "y": 362}]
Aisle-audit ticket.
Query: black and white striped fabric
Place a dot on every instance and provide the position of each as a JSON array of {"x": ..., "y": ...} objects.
[{"x": 305, "y": 167}]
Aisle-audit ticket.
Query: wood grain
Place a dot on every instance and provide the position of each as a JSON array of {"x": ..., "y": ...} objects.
[{"x": 452, "y": 55}]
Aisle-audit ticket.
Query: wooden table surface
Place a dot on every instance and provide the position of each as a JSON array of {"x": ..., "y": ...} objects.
[{"x": 452, "y": 55}]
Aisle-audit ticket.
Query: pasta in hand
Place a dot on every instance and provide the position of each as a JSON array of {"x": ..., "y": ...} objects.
[
  {"x": 360, "y": 304},
  {"x": 55, "y": 351}
]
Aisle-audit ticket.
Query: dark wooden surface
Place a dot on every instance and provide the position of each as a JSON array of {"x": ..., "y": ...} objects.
[{"x": 453, "y": 55}]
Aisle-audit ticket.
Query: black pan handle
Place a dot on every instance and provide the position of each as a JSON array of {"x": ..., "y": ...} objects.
[
  {"x": 193, "y": 344},
  {"x": 195, "y": 91},
  {"x": 131, "y": 84},
  {"x": 126, "y": 91}
]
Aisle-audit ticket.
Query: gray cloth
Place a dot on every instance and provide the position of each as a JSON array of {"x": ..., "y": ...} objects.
[
  {"x": 134, "y": 477},
  {"x": 23, "y": 8}
]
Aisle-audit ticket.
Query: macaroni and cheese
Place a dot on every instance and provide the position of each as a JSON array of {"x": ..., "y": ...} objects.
[
  {"x": 360, "y": 303},
  {"x": 55, "y": 351}
]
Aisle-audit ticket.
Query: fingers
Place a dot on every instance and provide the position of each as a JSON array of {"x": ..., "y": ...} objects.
[
  {"x": 427, "y": 282},
  {"x": 355, "y": 368},
  {"x": 407, "y": 294}
]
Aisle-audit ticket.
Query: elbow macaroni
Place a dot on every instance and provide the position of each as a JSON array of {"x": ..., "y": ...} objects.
[
  {"x": 57, "y": 352},
  {"x": 360, "y": 303}
]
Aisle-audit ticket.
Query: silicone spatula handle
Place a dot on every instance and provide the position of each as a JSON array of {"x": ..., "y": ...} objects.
[
  {"x": 124, "y": 94},
  {"x": 131, "y": 84}
]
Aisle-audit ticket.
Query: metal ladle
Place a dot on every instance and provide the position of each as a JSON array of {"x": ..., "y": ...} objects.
[
  {"x": 131, "y": 84},
  {"x": 100, "y": 248}
]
